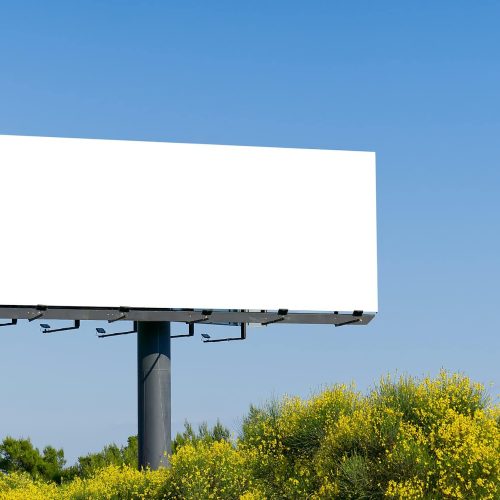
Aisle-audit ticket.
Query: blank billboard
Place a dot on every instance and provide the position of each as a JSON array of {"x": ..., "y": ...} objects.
[{"x": 100, "y": 223}]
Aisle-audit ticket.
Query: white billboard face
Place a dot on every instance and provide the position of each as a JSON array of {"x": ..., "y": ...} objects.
[{"x": 97, "y": 223}]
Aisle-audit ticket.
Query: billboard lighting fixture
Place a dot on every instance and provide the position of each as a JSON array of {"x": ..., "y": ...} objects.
[
  {"x": 243, "y": 335},
  {"x": 46, "y": 327},
  {"x": 101, "y": 332},
  {"x": 12, "y": 322}
]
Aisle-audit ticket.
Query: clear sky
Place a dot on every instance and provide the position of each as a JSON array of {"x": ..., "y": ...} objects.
[{"x": 416, "y": 82}]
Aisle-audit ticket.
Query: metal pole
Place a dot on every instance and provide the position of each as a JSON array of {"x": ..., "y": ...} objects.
[{"x": 154, "y": 413}]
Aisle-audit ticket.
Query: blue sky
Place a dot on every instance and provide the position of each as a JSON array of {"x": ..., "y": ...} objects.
[{"x": 415, "y": 82}]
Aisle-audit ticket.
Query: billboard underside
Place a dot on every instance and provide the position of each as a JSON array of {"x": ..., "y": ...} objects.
[
  {"x": 93, "y": 224},
  {"x": 182, "y": 316}
]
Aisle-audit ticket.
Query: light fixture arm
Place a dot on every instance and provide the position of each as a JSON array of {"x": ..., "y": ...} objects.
[
  {"x": 75, "y": 326},
  {"x": 243, "y": 335}
]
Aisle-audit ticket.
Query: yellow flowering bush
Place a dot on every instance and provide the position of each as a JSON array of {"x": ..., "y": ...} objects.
[
  {"x": 467, "y": 448},
  {"x": 408, "y": 489},
  {"x": 206, "y": 471},
  {"x": 20, "y": 486},
  {"x": 281, "y": 439},
  {"x": 113, "y": 482},
  {"x": 414, "y": 439},
  {"x": 407, "y": 439}
]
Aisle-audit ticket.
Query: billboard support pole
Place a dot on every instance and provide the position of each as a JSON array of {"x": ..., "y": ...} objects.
[{"x": 153, "y": 390}]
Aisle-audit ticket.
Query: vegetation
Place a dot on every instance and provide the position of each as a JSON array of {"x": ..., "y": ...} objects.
[
  {"x": 110, "y": 455},
  {"x": 407, "y": 438},
  {"x": 204, "y": 434},
  {"x": 20, "y": 455}
]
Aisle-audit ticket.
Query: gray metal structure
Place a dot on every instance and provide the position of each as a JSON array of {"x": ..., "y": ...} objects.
[
  {"x": 111, "y": 314},
  {"x": 153, "y": 384}
]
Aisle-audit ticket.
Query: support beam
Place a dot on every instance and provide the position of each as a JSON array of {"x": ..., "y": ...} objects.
[{"x": 154, "y": 412}]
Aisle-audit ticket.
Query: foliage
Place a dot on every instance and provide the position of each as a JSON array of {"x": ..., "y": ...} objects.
[
  {"x": 21, "y": 455},
  {"x": 110, "y": 455},
  {"x": 417, "y": 439},
  {"x": 204, "y": 434},
  {"x": 408, "y": 438},
  {"x": 282, "y": 438},
  {"x": 207, "y": 470}
]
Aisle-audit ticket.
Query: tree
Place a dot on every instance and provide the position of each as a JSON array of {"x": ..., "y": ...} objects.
[
  {"x": 52, "y": 465},
  {"x": 21, "y": 456},
  {"x": 110, "y": 455}
]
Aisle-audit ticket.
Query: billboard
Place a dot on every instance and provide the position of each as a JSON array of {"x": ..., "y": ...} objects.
[{"x": 102, "y": 223}]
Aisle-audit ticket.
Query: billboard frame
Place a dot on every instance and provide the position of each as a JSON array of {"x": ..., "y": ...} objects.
[{"x": 216, "y": 317}]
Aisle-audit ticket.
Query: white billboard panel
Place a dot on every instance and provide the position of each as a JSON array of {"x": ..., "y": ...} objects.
[{"x": 99, "y": 223}]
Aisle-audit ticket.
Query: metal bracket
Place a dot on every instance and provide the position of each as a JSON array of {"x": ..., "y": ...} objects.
[
  {"x": 41, "y": 309},
  {"x": 243, "y": 336},
  {"x": 74, "y": 327},
  {"x": 205, "y": 317},
  {"x": 101, "y": 332},
  {"x": 190, "y": 334},
  {"x": 124, "y": 311},
  {"x": 12, "y": 322},
  {"x": 281, "y": 313},
  {"x": 350, "y": 322}
]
